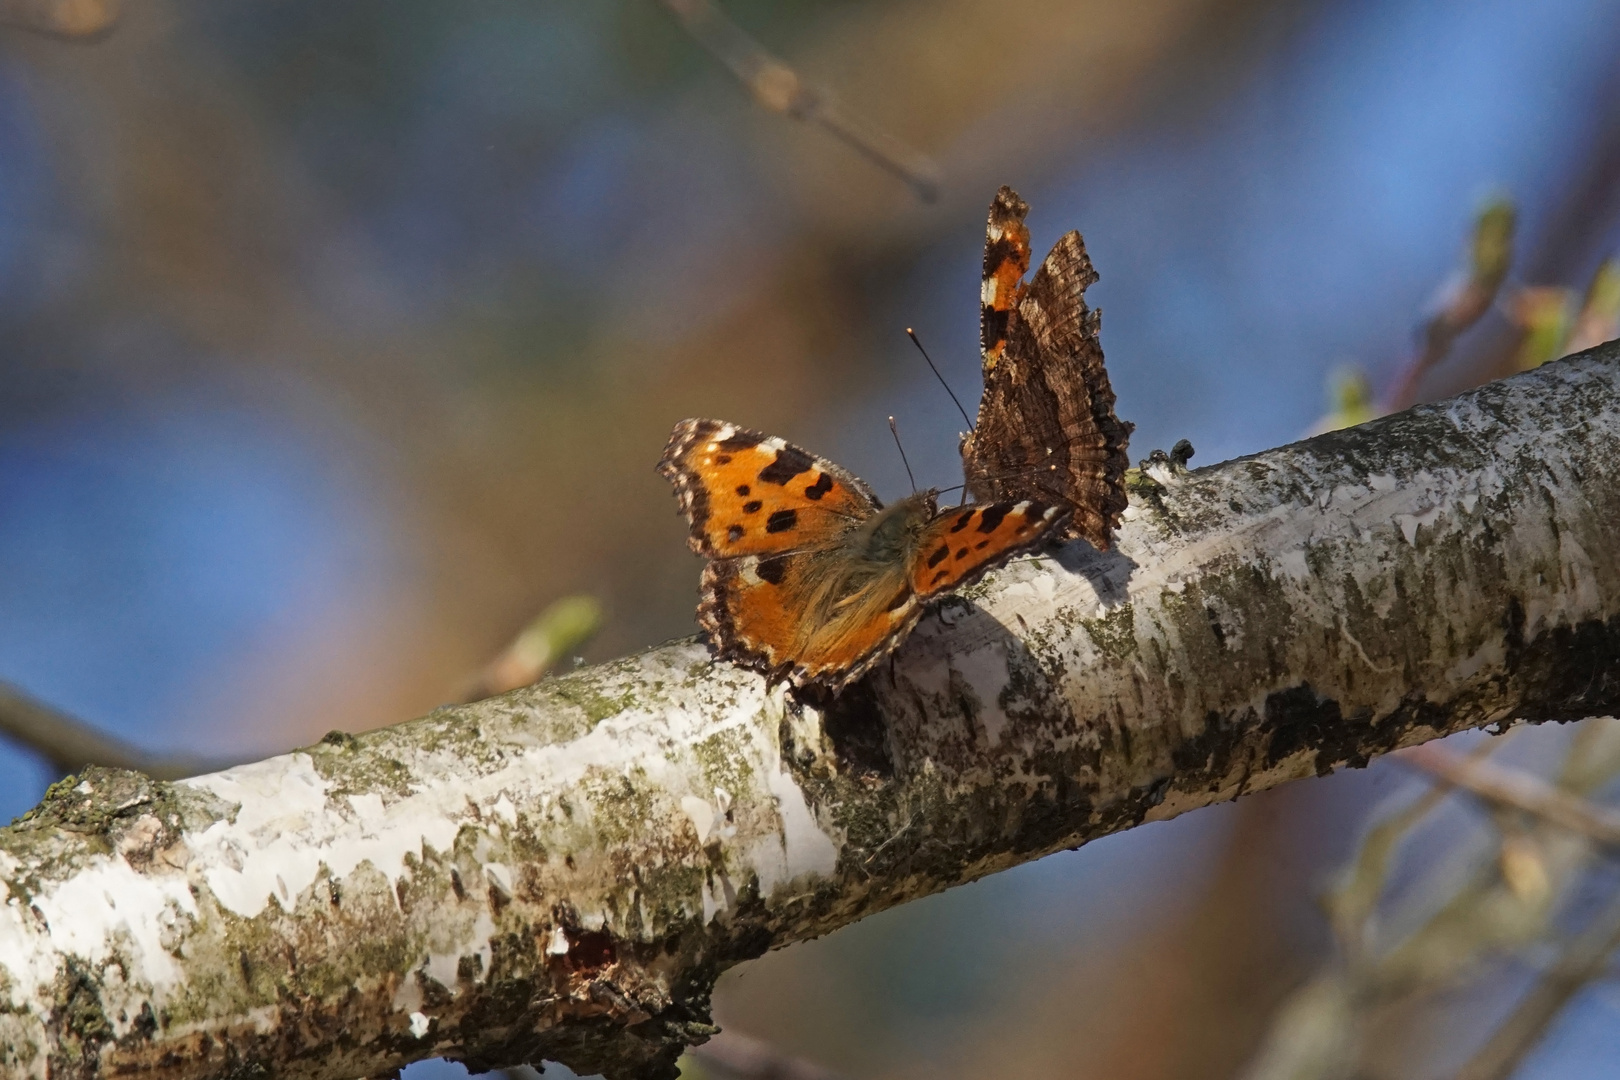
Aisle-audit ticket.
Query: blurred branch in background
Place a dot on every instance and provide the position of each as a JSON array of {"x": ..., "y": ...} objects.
[
  {"x": 730, "y": 1056},
  {"x": 1583, "y": 960},
  {"x": 1464, "y": 913},
  {"x": 1350, "y": 400},
  {"x": 1546, "y": 324},
  {"x": 61, "y": 18},
  {"x": 1541, "y": 315},
  {"x": 1464, "y": 300},
  {"x": 1599, "y": 318},
  {"x": 69, "y": 744},
  {"x": 556, "y": 632},
  {"x": 779, "y": 88},
  {"x": 1518, "y": 790}
]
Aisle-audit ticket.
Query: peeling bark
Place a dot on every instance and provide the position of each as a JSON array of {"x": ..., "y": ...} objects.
[{"x": 561, "y": 872}]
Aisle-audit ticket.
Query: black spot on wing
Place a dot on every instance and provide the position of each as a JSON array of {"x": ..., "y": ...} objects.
[
  {"x": 992, "y": 516},
  {"x": 781, "y": 521},
  {"x": 981, "y": 545},
  {"x": 742, "y": 489},
  {"x": 752, "y": 506},
  {"x": 772, "y": 570},
  {"x": 736, "y": 443},
  {"x": 939, "y": 577},
  {"x": 790, "y": 462},
  {"x": 939, "y": 556},
  {"x": 962, "y": 522},
  {"x": 997, "y": 252},
  {"x": 823, "y": 484},
  {"x": 734, "y": 533},
  {"x": 993, "y": 325},
  {"x": 722, "y": 459},
  {"x": 899, "y": 600},
  {"x": 961, "y": 553}
]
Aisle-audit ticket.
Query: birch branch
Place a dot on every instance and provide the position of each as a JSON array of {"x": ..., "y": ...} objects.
[{"x": 561, "y": 872}]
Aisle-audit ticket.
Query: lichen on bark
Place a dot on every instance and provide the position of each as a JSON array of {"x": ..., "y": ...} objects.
[{"x": 561, "y": 872}]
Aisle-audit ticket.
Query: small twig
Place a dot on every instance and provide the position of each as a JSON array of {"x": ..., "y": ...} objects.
[
  {"x": 1352, "y": 903},
  {"x": 779, "y": 88},
  {"x": 1599, "y": 318},
  {"x": 1582, "y": 960},
  {"x": 555, "y": 633},
  {"x": 1519, "y": 790},
  {"x": 1351, "y": 401},
  {"x": 1464, "y": 302},
  {"x": 68, "y": 743},
  {"x": 739, "y": 1057},
  {"x": 1543, "y": 318}
]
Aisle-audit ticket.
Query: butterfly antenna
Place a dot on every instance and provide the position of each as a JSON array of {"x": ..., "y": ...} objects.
[
  {"x": 896, "y": 433},
  {"x": 912, "y": 334}
]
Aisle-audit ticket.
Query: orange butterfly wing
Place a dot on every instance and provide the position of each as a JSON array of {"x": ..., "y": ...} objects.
[
  {"x": 960, "y": 545},
  {"x": 773, "y": 613},
  {"x": 809, "y": 578},
  {"x": 791, "y": 615},
  {"x": 745, "y": 493}
]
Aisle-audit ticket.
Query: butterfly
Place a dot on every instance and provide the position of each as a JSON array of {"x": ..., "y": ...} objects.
[
  {"x": 1046, "y": 429},
  {"x": 810, "y": 578}
]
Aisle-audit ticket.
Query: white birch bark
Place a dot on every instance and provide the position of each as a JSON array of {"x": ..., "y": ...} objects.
[{"x": 561, "y": 872}]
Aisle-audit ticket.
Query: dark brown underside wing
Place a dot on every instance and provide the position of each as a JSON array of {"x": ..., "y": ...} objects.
[
  {"x": 1047, "y": 429},
  {"x": 1006, "y": 260}
]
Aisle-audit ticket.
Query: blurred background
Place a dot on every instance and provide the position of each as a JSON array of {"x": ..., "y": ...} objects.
[{"x": 337, "y": 340}]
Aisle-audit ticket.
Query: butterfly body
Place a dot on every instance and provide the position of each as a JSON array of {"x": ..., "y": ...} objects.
[
  {"x": 879, "y": 548},
  {"x": 1046, "y": 428},
  {"x": 810, "y": 578}
]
